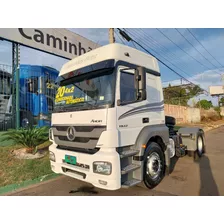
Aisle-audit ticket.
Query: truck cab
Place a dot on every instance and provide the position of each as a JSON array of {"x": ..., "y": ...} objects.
[
  {"x": 108, "y": 124},
  {"x": 36, "y": 95}
]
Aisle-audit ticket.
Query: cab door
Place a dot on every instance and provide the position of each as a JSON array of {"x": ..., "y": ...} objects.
[{"x": 129, "y": 102}]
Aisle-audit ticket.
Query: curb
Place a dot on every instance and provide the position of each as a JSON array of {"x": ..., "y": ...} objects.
[
  {"x": 26, "y": 183},
  {"x": 213, "y": 128}
]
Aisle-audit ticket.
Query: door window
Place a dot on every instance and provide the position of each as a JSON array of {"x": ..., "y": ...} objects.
[{"x": 127, "y": 87}]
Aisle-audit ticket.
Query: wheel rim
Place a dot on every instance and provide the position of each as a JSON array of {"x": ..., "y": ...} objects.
[
  {"x": 25, "y": 123},
  {"x": 153, "y": 165},
  {"x": 200, "y": 145}
]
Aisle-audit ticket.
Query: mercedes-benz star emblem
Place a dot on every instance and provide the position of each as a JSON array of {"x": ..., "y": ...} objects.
[{"x": 71, "y": 133}]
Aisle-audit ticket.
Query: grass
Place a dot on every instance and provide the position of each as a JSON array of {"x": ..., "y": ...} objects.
[
  {"x": 14, "y": 171},
  {"x": 5, "y": 143},
  {"x": 176, "y": 128}
]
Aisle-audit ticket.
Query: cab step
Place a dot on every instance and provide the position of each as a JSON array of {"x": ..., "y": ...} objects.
[
  {"x": 128, "y": 153},
  {"x": 129, "y": 168},
  {"x": 130, "y": 183}
]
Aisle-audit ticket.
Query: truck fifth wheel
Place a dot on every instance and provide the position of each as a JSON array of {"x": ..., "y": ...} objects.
[{"x": 108, "y": 124}]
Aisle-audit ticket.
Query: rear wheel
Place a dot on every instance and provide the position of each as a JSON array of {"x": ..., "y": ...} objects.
[
  {"x": 200, "y": 147},
  {"x": 154, "y": 165}
]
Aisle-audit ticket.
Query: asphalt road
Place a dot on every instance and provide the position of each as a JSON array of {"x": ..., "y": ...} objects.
[{"x": 188, "y": 178}]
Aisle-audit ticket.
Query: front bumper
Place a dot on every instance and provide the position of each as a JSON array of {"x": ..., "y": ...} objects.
[{"x": 109, "y": 182}]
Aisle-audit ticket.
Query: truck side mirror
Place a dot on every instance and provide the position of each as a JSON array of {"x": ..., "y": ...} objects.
[{"x": 141, "y": 82}]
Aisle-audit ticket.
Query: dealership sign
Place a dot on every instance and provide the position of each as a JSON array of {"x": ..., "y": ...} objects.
[
  {"x": 216, "y": 90},
  {"x": 60, "y": 42}
]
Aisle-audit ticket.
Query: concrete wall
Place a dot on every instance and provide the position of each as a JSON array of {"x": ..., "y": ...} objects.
[
  {"x": 183, "y": 114},
  {"x": 193, "y": 115},
  {"x": 179, "y": 112}
]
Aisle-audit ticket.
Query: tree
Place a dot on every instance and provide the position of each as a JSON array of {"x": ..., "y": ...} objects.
[
  {"x": 180, "y": 95},
  {"x": 221, "y": 102},
  {"x": 205, "y": 104}
]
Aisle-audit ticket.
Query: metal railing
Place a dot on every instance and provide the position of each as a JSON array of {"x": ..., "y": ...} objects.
[{"x": 36, "y": 95}]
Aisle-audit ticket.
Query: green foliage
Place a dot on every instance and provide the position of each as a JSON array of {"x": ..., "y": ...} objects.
[
  {"x": 221, "y": 101},
  {"x": 29, "y": 138},
  {"x": 205, "y": 104},
  {"x": 217, "y": 109},
  {"x": 180, "y": 95}
]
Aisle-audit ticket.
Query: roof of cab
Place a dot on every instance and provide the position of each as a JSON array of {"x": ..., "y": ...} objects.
[{"x": 111, "y": 51}]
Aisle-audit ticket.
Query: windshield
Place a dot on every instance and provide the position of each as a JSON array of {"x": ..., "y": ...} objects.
[{"x": 87, "y": 91}]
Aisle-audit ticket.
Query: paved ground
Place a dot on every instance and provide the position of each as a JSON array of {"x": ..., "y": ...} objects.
[{"x": 187, "y": 178}]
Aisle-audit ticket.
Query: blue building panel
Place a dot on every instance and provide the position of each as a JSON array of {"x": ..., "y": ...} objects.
[{"x": 36, "y": 98}]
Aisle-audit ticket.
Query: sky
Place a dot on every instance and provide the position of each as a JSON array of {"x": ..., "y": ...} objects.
[{"x": 176, "y": 47}]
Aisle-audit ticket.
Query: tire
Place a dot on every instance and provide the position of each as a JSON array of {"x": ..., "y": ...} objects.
[
  {"x": 153, "y": 172},
  {"x": 200, "y": 147},
  {"x": 170, "y": 120},
  {"x": 26, "y": 115}
]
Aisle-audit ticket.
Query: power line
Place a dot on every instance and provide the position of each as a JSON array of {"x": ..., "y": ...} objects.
[
  {"x": 172, "y": 64},
  {"x": 164, "y": 58},
  {"x": 119, "y": 37},
  {"x": 134, "y": 45},
  {"x": 122, "y": 40},
  {"x": 176, "y": 67},
  {"x": 165, "y": 52},
  {"x": 161, "y": 55},
  {"x": 183, "y": 49},
  {"x": 196, "y": 49},
  {"x": 204, "y": 47},
  {"x": 151, "y": 40},
  {"x": 128, "y": 38}
]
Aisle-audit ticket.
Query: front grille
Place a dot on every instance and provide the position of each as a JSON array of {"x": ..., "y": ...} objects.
[
  {"x": 73, "y": 149},
  {"x": 79, "y": 128},
  {"x": 85, "y": 137},
  {"x": 77, "y": 139}
]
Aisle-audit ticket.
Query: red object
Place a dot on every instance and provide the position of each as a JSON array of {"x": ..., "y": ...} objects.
[{"x": 70, "y": 75}]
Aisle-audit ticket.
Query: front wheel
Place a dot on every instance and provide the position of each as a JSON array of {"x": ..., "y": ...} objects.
[
  {"x": 26, "y": 119},
  {"x": 154, "y": 165}
]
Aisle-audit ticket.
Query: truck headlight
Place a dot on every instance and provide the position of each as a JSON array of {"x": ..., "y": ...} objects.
[
  {"x": 52, "y": 156},
  {"x": 104, "y": 168}
]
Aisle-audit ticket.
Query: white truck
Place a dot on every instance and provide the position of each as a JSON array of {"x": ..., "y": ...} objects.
[{"x": 108, "y": 125}]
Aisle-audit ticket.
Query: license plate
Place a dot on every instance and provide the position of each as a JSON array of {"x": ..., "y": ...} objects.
[{"x": 70, "y": 159}]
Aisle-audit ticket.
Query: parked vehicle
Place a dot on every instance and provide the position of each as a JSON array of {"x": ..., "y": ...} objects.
[
  {"x": 36, "y": 95},
  {"x": 108, "y": 123}
]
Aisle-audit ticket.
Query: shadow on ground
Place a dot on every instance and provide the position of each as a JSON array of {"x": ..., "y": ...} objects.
[
  {"x": 208, "y": 184},
  {"x": 84, "y": 189},
  {"x": 173, "y": 163}
]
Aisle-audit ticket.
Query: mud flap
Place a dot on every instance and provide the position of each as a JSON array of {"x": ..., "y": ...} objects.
[
  {"x": 167, "y": 160},
  {"x": 189, "y": 137}
]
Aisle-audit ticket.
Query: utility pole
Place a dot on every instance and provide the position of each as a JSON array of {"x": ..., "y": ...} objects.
[
  {"x": 111, "y": 36},
  {"x": 17, "y": 88},
  {"x": 15, "y": 85}
]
